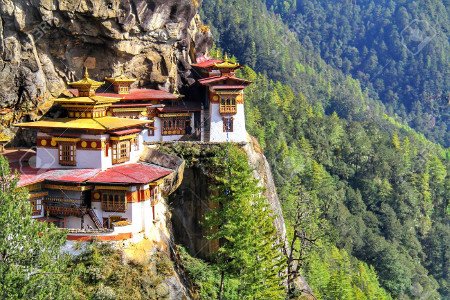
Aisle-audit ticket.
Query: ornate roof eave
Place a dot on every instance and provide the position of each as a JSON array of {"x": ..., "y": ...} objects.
[
  {"x": 120, "y": 79},
  {"x": 86, "y": 82}
]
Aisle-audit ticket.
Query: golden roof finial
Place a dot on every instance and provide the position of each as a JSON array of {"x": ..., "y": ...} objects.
[
  {"x": 86, "y": 74},
  {"x": 86, "y": 87},
  {"x": 226, "y": 57}
]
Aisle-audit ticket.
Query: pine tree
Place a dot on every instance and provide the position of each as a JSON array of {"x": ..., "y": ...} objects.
[
  {"x": 242, "y": 222},
  {"x": 31, "y": 263}
]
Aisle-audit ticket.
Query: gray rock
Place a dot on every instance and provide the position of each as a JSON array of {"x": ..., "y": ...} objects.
[{"x": 44, "y": 44}]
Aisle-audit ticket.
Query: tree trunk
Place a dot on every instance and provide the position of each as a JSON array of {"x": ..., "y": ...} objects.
[{"x": 222, "y": 276}]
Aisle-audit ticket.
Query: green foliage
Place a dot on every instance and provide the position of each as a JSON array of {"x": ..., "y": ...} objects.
[
  {"x": 31, "y": 263},
  {"x": 371, "y": 40},
  {"x": 241, "y": 220},
  {"x": 415, "y": 87},
  {"x": 381, "y": 202},
  {"x": 206, "y": 276},
  {"x": 333, "y": 274},
  {"x": 102, "y": 274}
]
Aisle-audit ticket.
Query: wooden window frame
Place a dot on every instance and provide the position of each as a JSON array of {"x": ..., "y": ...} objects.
[
  {"x": 114, "y": 201},
  {"x": 227, "y": 105},
  {"x": 119, "y": 154},
  {"x": 36, "y": 207},
  {"x": 226, "y": 121},
  {"x": 67, "y": 157},
  {"x": 174, "y": 125}
]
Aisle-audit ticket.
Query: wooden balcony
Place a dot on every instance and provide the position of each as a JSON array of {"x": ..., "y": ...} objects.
[
  {"x": 49, "y": 199},
  {"x": 119, "y": 207},
  {"x": 56, "y": 210},
  {"x": 227, "y": 109}
]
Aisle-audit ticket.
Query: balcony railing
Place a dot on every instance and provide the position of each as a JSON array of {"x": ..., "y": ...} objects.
[
  {"x": 49, "y": 199},
  {"x": 117, "y": 207},
  {"x": 227, "y": 109},
  {"x": 77, "y": 211}
]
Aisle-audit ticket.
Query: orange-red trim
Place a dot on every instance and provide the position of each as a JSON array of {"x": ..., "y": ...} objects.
[{"x": 103, "y": 238}]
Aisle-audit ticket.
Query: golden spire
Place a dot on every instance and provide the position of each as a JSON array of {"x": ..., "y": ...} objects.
[{"x": 86, "y": 87}]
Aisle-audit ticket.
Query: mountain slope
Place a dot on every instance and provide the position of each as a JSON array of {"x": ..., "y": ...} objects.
[
  {"x": 398, "y": 49},
  {"x": 382, "y": 187}
]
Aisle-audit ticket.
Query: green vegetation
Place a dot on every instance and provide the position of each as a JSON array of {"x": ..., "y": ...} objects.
[
  {"x": 104, "y": 274},
  {"x": 241, "y": 221},
  {"x": 335, "y": 275},
  {"x": 363, "y": 40},
  {"x": 249, "y": 260},
  {"x": 384, "y": 191},
  {"x": 31, "y": 263},
  {"x": 374, "y": 42},
  {"x": 359, "y": 179}
]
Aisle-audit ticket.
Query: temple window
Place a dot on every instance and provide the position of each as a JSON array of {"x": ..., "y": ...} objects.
[
  {"x": 151, "y": 132},
  {"x": 114, "y": 201},
  {"x": 121, "y": 152},
  {"x": 227, "y": 105},
  {"x": 67, "y": 153},
  {"x": 175, "y": 125},
  {"x": 136, "y": 143},
  {"x": 227, "y": 124},
  {"x": 36, "y": 206}
]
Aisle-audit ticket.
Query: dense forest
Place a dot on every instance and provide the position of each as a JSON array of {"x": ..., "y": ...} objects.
[
  {"x": 399, "y": 50},
  {"x": 355, "y": 182},
  {"x": 365, "y": 39}
]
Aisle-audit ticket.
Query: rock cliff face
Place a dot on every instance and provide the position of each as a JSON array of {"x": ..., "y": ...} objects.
[
  {"x": 46, "y": 43},
  {"x": 190, "y": 201}
]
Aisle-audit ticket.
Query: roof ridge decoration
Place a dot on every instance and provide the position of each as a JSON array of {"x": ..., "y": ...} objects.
[
  {"x": 86, "y": 86},
  {"x": 120, "y": 79},
  {"x": 226, "y": 64}
]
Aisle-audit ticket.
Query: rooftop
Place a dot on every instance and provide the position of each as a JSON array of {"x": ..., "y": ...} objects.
[
  {"x": 137, "y": 95},
  {"x": 20, "y": 160},
  {"x": 230, "y": 79},
  {"x": 103, "y": 123}
]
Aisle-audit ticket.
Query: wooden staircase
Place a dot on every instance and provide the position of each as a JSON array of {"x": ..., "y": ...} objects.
[{"x": 94, "y": 218}]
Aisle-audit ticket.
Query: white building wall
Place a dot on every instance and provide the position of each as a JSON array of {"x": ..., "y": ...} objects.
[
  {"x": 217, "y": 134},
  {"x": 158, "y": 137}
]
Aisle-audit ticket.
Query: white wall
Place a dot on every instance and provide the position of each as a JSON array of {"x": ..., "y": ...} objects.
[
  {"x": 239, "y": 133},
  {"x": 86, "y": 159},
  {"x": 158, "y": 137}
]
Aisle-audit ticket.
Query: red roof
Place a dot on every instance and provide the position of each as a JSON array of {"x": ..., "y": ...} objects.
[
  {"x": 227, "y": 79},
  {"x": 181, "y": 107},
  {"x": 133, "y": 173},
  {"x": 137, "y": 95},
  {"x": 138, "y": 173},
  {"x": 125, "y": 131},
  {"x": 207, "y": 63},
  {"x": 229, "y": 87}
]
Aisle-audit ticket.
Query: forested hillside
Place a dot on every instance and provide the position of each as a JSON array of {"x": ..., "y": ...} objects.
[
  {"x": 348, "y": 175},
  {"x": 399, "y": 50}
]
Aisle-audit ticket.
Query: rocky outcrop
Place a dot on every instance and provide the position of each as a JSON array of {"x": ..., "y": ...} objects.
[
  {"x": 262, "y": 172},
  {"x": 46, "y": 43},
  {"x": 190, "y": 201}
]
